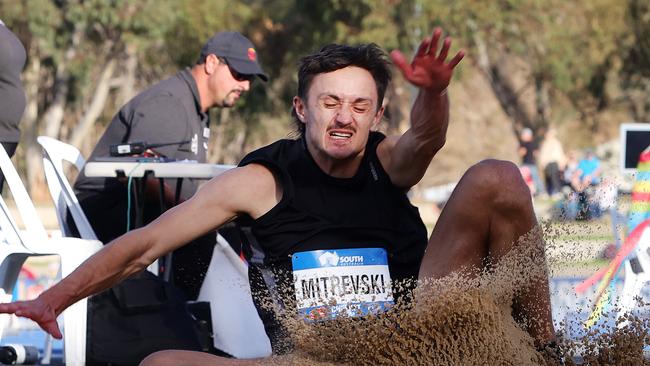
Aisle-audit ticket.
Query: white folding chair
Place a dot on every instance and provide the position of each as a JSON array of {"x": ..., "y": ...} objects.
[
  {"x": 33, "y": 241},
  {"x": 637, "y": 272},
  {"x": 55, "y": 153},
  {"x": 236, "y": 325},
  {"x": 12, "y": 254}
]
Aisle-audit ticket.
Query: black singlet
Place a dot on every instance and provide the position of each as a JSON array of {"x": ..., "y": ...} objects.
[{"x": 318, "y": 211}]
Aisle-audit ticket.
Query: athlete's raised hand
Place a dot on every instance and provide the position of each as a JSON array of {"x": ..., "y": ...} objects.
[
  {"x": 429, "y": 69},
  {"x": 36, "y": 310}
]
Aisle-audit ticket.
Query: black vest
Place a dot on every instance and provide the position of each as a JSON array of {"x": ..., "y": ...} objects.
[{"x": 318, "y": 211}]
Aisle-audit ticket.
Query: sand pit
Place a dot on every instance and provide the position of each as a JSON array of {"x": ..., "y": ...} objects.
[{"x": 462, "y": 319}]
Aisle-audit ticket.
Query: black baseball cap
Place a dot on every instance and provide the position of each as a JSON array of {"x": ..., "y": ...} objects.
[{"x": 238, "y": 51}]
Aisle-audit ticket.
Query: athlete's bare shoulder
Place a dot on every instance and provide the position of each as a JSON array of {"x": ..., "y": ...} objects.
[
  {"x": 252, "y": 189},
  {"x": 385, "y": 152}
]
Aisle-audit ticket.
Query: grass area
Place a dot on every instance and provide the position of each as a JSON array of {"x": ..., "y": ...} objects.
[
  {"x": 571, "y": 231},
  {"x": 583, "y": 268},
  {"x": 584, "y": 237},
  {"x": 591, "y": 263}
]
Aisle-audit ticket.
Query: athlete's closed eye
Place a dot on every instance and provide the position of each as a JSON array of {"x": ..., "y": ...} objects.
[
  {"x": 330, "y": 102},
  {"x": 361, "y": 107},
  {"x": 358, "y": 106}
]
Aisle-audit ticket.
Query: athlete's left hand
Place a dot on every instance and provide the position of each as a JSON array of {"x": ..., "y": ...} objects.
[{"x": 428, "y": 69}]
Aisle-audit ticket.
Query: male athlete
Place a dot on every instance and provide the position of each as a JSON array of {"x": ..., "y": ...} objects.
[{"x": 340, "y": 186}]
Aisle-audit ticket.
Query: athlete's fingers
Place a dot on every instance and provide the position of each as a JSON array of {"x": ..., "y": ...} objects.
[
  {"x": 423, "y": 48},
  {"x": 52, "y": 327},
  {"x": 454, "y": 61},
  {"x": 9, "y": 308},
  {"x": 445, "y": 49},
  {"x": 437, "y": 32}
]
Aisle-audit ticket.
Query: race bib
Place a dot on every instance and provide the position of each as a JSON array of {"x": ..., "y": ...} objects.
[{"x": 329, "y": 283}]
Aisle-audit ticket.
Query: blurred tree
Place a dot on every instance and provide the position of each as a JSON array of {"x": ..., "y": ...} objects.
[
  {"x": 564, "y": 46},
  {"x": 636, "y": 67},
  {"x": 74, "y": 51},
  {"x": 87, "y": 57}
]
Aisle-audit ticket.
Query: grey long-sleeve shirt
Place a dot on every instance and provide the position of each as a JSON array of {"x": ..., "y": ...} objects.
[{"x": 12, "y": 94}]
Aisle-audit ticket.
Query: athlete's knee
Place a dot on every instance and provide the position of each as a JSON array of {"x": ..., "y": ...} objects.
[
  {"x": 495, "y": 175},
  {"x": 501, "y": 182},
  {"x": 160, "y": 358}
]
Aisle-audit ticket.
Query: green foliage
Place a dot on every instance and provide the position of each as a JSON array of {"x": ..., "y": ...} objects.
[
  {"x": 639, "y": 50},
  {"x": 570, "y": 45},
  {"x": 196, "y": 21},
  {"x": 37, "y": 21}
]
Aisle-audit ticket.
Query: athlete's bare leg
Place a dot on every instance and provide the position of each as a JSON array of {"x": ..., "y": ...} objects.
[{"x": 488, "y": 211}]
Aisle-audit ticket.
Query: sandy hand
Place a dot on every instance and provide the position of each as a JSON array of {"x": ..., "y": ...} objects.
[
  {"x": 36, "y": 310},
  {"x": 428, "y": 70}
]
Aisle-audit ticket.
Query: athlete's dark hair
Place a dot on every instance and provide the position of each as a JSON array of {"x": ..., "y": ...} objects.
[{"x": 334, "y": 57}]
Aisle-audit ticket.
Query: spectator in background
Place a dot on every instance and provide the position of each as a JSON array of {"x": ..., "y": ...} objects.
[
  {"x": 528, "y": 151},
  {"x": 574, "y": 202},
  {"x": 12, "y": 94},
  {"x": 570, "y": 169},
  {"x": 173, "y": 112},
  {"x": 553, "y": 161},
  {"x": 588, "y": 172}
]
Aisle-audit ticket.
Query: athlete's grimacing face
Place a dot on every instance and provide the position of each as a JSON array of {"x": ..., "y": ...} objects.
[{"x": 340, "y": 110}]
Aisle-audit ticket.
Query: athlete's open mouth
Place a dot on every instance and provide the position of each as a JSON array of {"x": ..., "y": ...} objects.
[{"x": 339, "y": 135}]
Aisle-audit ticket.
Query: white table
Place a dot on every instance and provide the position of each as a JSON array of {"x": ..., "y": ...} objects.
[
  {"x": 116, "y": 167},
  {"x": 177, "y": 169}
]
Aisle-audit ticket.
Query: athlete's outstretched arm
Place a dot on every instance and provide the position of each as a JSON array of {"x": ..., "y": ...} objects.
[
  {"x": 407, "y": 157},
  {"x": 251, "y": 190}
]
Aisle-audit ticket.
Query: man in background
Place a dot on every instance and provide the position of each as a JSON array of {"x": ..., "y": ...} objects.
[
  {"x": 528, "y": 151},
  {"x": 172, "y": 113},
  {"x": 553, "y": 161},
  {"x": 588, "y": 172}
]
